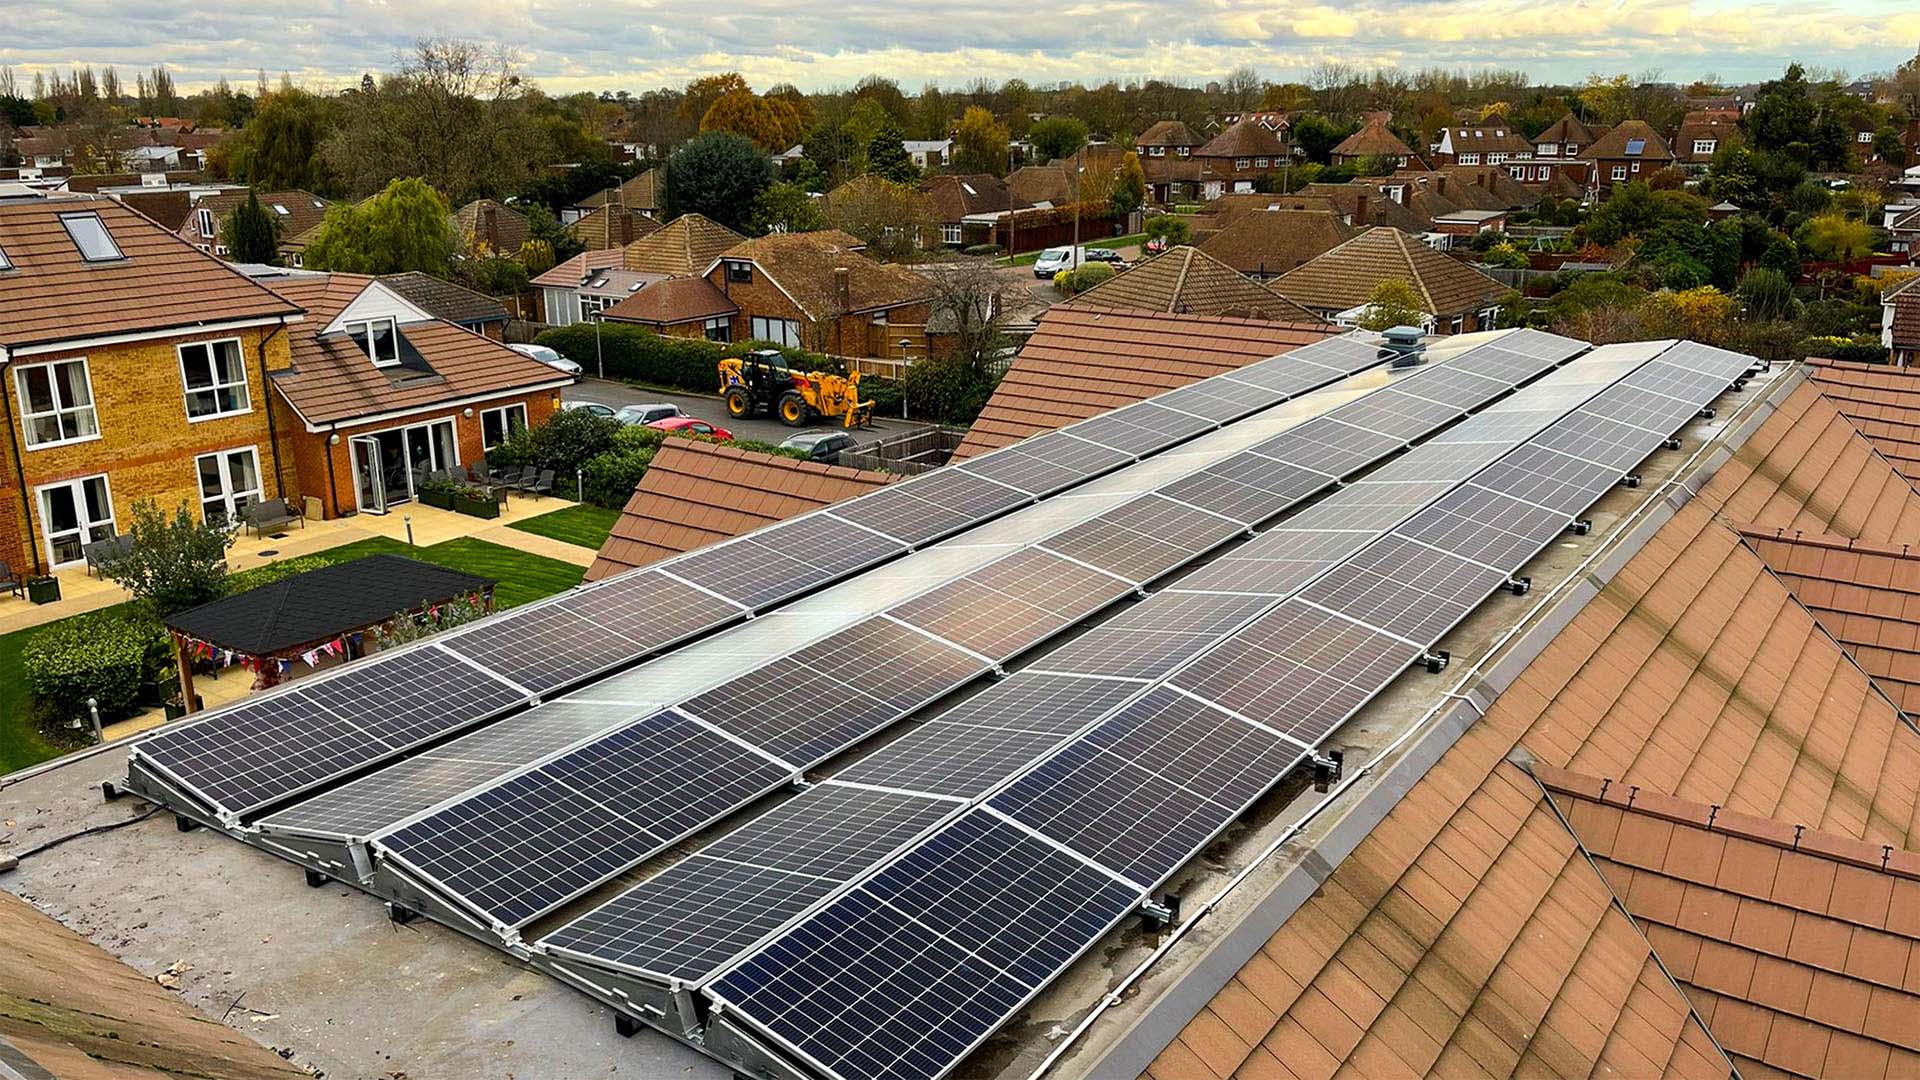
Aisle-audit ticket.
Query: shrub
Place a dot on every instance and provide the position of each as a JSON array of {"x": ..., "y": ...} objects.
[
  {"x": 272, "y": 572},
  {"x": 947, "y": 391},
  {"x": 1072, "y": 282},
  {"x": 981, "y": 249},
  {"x": 178, "y": 562},
  {"x": 1861, "y": 350},
  {"x": 563, "y": 443},
  {"x": 104, "y": 655},
  {"x": 884, "y": 393},
  {"x": 608, "y": 479}
]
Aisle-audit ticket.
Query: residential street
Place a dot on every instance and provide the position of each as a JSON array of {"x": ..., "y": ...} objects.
[{"x": 710, "y": 408}]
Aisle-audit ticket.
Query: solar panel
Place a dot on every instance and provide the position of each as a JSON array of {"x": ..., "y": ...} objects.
[
  {"x": 1547, "y": 479},
  {"x": 1276, "y": 562},
  {"x": 1141, "y": 428},
  {"x": 1011, "y": 465},
  {"x": 263, "y": 750},
  {"x": 649, "y": 608},
  {"x": 1225, "y": 400},
  {"x": 535, "y": 840},
  {"x": 1454, "y": 385},
  {"x": 1294, "y": 372},
  {"x": 549, "y": 647},
  {"x": 1406, "y": 588},
  {"x": 1143, "y": 538},
  {"x": 1485, "y": 526},
  {"x": 1149, "y": 786},
  {"x": 901, "y": 514},
  {"x": 1397, "y": 413},
  {"x": 1369, "y": 505},
  {"x": 1329, "y": 446},
  {"x": 1247, "y": 487},
  {"x": 1012, "y": 603},
  {"x": 1642, "y": 408},
  {"x": 1065, "y": 450},
  {"x": 1599, "y": 440},
  {"x": 784, "y": 559}
]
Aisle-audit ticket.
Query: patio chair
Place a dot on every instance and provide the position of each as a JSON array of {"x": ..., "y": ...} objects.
[
  {"x": 263, "y": 517},
  {"x": 11, "y": 581},
  {"x": 511, "y": 478},
  {"x": 538, "y": 485},
  {"x": 104, "y": 553}
]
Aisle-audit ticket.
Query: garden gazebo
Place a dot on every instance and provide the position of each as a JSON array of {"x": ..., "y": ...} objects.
[{"x": 323, "y": 612}]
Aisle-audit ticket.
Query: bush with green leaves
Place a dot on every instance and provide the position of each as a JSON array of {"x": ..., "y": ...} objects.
[
  {"x": 1074, "y": 282},
  {"x": 1859, "y": 349},
  {"x": 268, "y": 573},
  {"x": 178, "y": 561},
  {"x": 947, "y": 391},
  {"x": 564, "y": 443},
  {"x": 104, "y": 655}
]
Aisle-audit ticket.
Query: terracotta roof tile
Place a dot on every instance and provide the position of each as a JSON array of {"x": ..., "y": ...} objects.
[
  {"x": 1268, "y": 242},
  {"x": 675, "y": 300},
  {"x": 697, "y": 493},
  {"x": 493, "y": 223},
  {"x": 1345, "y": 277},
  {"x": 1079, "y": 363},
  {"x": 1615, "y": 143},
  {"x": 804, "y": 266},
  {"x": 1247, "y": 138},
  {"x": 683, "y": 247},
  {"x": 1372, "y": 140},
  {"x": 295, "y": 211},
  {"x": 1186, "y": 280}
]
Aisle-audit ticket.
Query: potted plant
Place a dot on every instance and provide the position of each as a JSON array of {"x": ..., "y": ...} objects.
[
  {"x": 44, "y": 589},
  {"x": 175, "y": 705},
  {"x": 438, "y": 491},
  {"x": 476, "y": 500}
]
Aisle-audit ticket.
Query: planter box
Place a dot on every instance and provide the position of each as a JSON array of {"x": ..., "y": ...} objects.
[
  {"x": 43, "y": 590},
  {"x": 441, "y": 499},
  {"x": 480, "y": 508},
  {"x": 175, "y": 710}
]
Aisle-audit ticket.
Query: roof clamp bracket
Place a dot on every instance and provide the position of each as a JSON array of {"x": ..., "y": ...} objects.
[
  {"x": 1580, "y": 526},
  {"x": 1672, "y": 443},
  {"x": 1738, "y": 384},
  {"x": 1631, "y": 480},
  {"x": 1328, "y": 769},
  {"x": 799, "y": 782},
  {"x": 1520, "y": 585},
  {"x": 1436, "y": 661},
  {"x": 1708, "y": 413},
  {"x": 1159, "y": 916}
]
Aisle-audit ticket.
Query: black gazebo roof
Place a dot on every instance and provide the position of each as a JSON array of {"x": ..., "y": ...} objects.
[{"x": 307, "y": 609}]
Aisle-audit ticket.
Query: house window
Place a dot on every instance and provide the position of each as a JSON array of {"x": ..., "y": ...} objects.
[
  {"x": 1496, "y": 159},
  {"x": 379, "y": 339},
  {"x": 56, "y": 403},
  {"x": 1239, "y": 163},
  {"x": 594, "y": 305},
  {"x": 782, "y": 332},
  {"x": 1703, "y": 146},
  {"x": 1469, "y": 159},
  {"x": 1619, "y": 172},
  {"x": 1636, "y": 166},
  {"x": 206, "y": 222},
  {"x": 1260, "y": 163},
  {"x": 1544, "y": 172},
  {"x": 229, "y": 483},
  {"x": 1547, "y": 149},
  {"x": 1863, "y": 136},
  {"x": 90, "y": 235},
  {"x": 293, "y": 259},
  {"x": 740, "y": 272},
  {"x": 719, "y": 329},
  {"x": 73, "y": 514},
  {"x": 950, "y": 234},
  {"x": 215, "y": 378},
  {"x": 499, "y": 425},
  {"x": 1156, "y": 151}
]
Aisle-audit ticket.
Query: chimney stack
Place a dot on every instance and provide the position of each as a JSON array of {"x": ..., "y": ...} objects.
[
  {"x": 1360, "y": 210},
  {"x": 843, "y": 288},
  {"x": 1440, "y": 185}
]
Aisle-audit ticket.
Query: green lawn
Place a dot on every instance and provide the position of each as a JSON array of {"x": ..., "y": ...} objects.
[
  {"x": 1111, "y": 242},
  {"x": 521, "y": 578},
  {"x": 581, "y": 525}
]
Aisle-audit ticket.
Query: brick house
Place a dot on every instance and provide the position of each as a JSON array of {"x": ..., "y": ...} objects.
[
  {"x": 1234, "y": 159},
  {"x": 1166, "y": 157},
  {"x": 1339, "y": 284},
  {"x": 1373, "y": 140},
  {"x": 678, "y": 307},
  {"x": 1702, "y": 133},
  {"x": 490, "y": 227},
  {"x": 298, "y": 213},
  {"x": 1492, "y": 143},
  {"x": 815, "y": 290},
  {"x": 1632, "y": 151},
  {"x": 380, "y": 392},
  {"x": 950, "y": 199},
  {"x": 136, "y": 368},
  {"x": 1559, "y": 154}
]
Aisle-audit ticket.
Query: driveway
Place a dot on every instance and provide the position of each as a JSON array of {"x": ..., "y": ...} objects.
[{"x": 710, "y": 408}]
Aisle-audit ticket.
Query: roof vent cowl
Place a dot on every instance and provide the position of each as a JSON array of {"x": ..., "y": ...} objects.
[{"x": 1407, "y": 344}]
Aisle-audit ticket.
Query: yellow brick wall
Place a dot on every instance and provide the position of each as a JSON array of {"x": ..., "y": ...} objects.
[{"x": 146, "y": 445}]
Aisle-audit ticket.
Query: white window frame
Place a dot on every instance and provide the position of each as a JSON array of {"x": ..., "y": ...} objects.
[
  {"x": 1704, "y": 146},
  {"x": 762, "y": 330},
  {"x": 591, "y": 306},
  {"x": 949, "y": 233},
  {"x": 505, "y": 413},
  {"x": 1469, "y": 159},
  {"x": 719, "y": 322},
  {"x": 1240, "y": 163},
  {"x": 355, "y": 330},
  {"x": 67, "y": 223},
  {"x": 204, "y": 218},
  {"x": 1156, "y": 151},
  {"x": 5, "y": 263},
  {"x": 188, "y": 390},
  {"x": 1259, "y": 163},
  {"x": 227, "y": 495},
  {"x": 60, "y": 408},
  {"x": 1619, "y": 172},
  {"x": 78, "y": 485}
]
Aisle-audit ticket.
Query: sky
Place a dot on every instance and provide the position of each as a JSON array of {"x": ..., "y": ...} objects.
[{"x": 643, "y": 44}]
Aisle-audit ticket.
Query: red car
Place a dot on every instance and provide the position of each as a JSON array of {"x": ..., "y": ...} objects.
[{"x": 691, "y": 426}]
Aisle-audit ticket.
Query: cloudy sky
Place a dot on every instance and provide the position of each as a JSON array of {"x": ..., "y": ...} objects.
[{"x": 640, "y": 44}]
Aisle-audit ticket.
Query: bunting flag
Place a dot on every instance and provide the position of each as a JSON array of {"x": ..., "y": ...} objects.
[{"x": 197, "y": 650}]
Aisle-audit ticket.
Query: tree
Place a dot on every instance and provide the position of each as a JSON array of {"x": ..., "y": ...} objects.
[
  {"x": 252, "y": 234},
  {"x": 887, "y": 156},
  {"x": 1316, "y": 136},
  {"x": 786, "y": 208},
  {"x": 1241, "y": 88},
  {"x": 408, "y": 226},
  {"x": 971, "y": 299},
  {"x": 891, "y": 218},
  {"x": 1171, "y": 228},
  {"x": 701, "y": 93},
  {"x": 1129, "y": 186},
  {"x": 772, "y": 123},
  {"x": 1766, "y": 294},
  {"x": 1057, "y": 137},
  {"x": 1836, "y": 238},
  {"x": 980, "y": 143},
  {"x": 1393, "y": 303},
  {"x": 1782, "y": 257},
  {"x": 1782, "y": 113},
  {"x": 176, "y": 562},
  {"x": 718, "y": 174}
]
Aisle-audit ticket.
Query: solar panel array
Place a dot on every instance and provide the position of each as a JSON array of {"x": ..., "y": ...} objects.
[
  {"x": 964, "y": 752},
  {"x": 244, "y": 758},
  {"x": 873, "y": 986}
]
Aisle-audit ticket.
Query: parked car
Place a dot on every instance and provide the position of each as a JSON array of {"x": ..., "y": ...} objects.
[
  {"x": 548, "y": 357},
  {"x": 648, "y": 413},
  {"x": 593, "y": 408},
  {"x": 1054, "y": 260},
  {"x": 690, "y": 425},
  {"x": 1108, "y": 256},
  {"x": 819, "y": 445}
]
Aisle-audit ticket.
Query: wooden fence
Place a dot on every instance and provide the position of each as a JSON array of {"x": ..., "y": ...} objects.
[{"x": 907, "y": 454}]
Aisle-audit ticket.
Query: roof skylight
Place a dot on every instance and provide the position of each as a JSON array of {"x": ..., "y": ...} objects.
[{"x": 90, "y": 235}]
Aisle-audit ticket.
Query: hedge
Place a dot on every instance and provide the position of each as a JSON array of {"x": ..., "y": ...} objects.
[
  {"x": 640, "y": 355},
  {"x": 104, "y": 655},
  {"x": 1840, "y": 348}
]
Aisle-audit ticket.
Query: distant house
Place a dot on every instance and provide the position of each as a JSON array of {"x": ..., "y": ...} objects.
[
  {"x": 1703, "y": 133},
  {"x": 1900, "y": 323},
  {"x": 1166, "y": 157},
  {"x": 951, "y": 199},
  {"x": 683, "y": 247},
  {"x": 689, "y": 307},
  {"x": 1264, "y": 244},
  {"x": 1039, "y": 185},
  {"x": 581, "y": 287},
  {"x": 642, "y": 195},
  {"x": 929, "y": 153},
  {"x": 1559, "y": 156},
  {"x": 1186, "y": 280},
  {"x": 1339, "y": 284},
  {"x": 1903, "y": 229},
  {"x": 490, "y": 226},
  {"x": 1237, "y": 157},
  {"x": 297, "y": 212},
  {"x": 1632, "y": 151},
  {"x": 1491, "y": 143},
  {"x": 1373, "y": 140},
  {"x": 817, "y": 291},
  {"x": 611, "y": 227},
  {"x": 452, "y": 303}
]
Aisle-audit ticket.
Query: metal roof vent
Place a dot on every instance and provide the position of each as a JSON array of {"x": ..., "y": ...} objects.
[{"x": 1406, "y": 343}]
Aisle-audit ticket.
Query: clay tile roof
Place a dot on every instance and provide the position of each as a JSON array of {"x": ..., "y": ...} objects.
[
  {"x": 1793, "y": 947},
  {"x": 1035, "y": 184},
  {"x": 685, "y": 246},
  {"x": 296, "y": 211},
  {"x": 1614, "y": 144},
  {"x": 52, "y": 294},
  {"x": 332, "y": 381},
  {"x": 1379, "y": 210},
  {"x": 1169, "y": 133},
  {"x": 803, "y": 264},
  {"x": 1270, "y": 242},
  {"x": 444, "y": 300},
  {"x": 1081, "y": 362},
  {"x": 696, "y": 493},
  {"x": 1494, "y": 136},
  {"x": 602, "y": 227},
  {"x": 1568, "y": 129},
  {"x": 1187, "y": 280},
  {"x": 1344, "y": 277},
  {"x": 1248, "y": 138},
  {"x": 1882, "y": 401},
  {"x": 675, "y": 300},
  {"x": 567, "y": 274},
  {"x": 951, "y": 198},
  {"x": 1372, "y": 140},
  {"x": 1866, "y": 595},
  {"x": 640, "y": 193},
  {"x": 508, "y": 228}
]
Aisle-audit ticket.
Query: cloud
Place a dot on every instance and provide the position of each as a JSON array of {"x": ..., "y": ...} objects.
[{"x": 640, "y": 44}]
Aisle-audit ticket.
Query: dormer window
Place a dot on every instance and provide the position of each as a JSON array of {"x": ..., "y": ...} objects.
[
  {"x": 378, "y": 338},
  {"x": 90, "y": 235},
  {"x": 739, "y": 271},
  {"x": 206, "y": 222}
]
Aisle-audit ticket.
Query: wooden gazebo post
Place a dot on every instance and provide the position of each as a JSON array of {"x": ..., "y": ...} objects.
[{"x": 183, "y": 664}]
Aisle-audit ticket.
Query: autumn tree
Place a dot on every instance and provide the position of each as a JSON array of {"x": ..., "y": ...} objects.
[
  {"x": 1393, "y": 303},
  {"x": 980, "y": 144},
  {"x": 408, "y": 226},
  {"x": 700, "y": 94},
  {"x": 1836, "y": 237},
  {"x": 891, "y": 218},
  {"x": 772, "y": 123}
]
